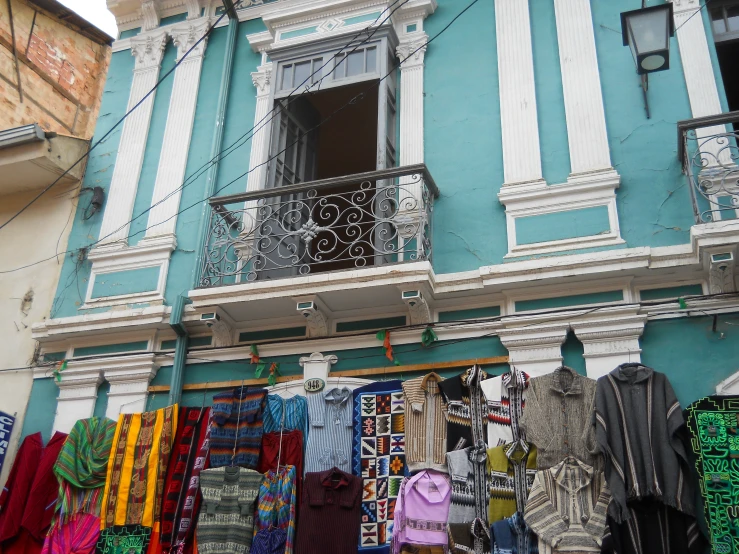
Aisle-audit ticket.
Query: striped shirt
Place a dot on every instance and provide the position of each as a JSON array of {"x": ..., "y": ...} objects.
[
  {"x": 512, "y": 469},
  {"x": 286, "y": 414},
  {"x": 236, "y": 434},
  {"x": 330, "y": 417},
  {"x": 425, "y": 424},
  {"x": 506, "y": 400},
  {"x": 567, "y": 508}
]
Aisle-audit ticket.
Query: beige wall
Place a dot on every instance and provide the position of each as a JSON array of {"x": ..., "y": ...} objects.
[{"x": 26, "y": 296}]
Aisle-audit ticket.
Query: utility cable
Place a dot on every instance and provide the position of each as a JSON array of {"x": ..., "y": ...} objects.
[
  {"x": 693, "y": 14},
  {"x": 228, "y": 150}
]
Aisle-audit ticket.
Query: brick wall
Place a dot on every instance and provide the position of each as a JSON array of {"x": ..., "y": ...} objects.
[{"x": 62, "y": 73}]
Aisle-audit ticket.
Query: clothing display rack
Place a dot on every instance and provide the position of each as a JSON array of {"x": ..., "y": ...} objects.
[{"x": 375, "y": 371}]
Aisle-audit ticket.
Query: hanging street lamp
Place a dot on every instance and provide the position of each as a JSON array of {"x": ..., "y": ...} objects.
[{"x": 647, "y": 33}]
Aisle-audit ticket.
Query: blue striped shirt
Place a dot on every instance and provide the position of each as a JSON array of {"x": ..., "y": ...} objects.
[
  {"x": 286, "y": 414},
  {"x": 330, "y": 418}
]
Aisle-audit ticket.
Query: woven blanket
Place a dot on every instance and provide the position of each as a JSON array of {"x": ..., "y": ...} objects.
[{"x": 379, "y": 458}]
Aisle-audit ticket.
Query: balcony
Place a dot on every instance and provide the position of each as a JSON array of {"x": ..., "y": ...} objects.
[
  {"x": 709, "y": 150},
  {"x": 353, "y": 222}
]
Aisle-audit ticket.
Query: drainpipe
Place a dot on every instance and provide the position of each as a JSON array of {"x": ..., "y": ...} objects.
[{"x": 175, "y": 320}]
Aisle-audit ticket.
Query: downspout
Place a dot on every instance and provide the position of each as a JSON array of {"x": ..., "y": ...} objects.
[{"x": 175, "y": 320}]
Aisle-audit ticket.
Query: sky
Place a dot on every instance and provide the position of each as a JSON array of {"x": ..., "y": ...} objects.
[{"x": 95, "y": 12}]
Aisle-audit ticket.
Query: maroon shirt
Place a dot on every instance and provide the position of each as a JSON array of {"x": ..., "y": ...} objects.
[
  {"x": 330, "y": 513},
  {"x": 18, "y": 487}
]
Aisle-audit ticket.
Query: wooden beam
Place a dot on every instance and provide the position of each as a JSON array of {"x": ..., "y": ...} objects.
[
  {"x": 496, "y": 360},
  {"x": 375, "y": 371}
]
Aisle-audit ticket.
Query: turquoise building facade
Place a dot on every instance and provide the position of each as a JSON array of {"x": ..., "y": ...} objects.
[{"x": 483, "y": 169}]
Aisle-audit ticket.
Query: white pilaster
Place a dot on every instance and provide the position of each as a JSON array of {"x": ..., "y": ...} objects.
[
  {"x": 262, "y": 79},
  {"x": 129, "y": 384},
  {"x": 518, "y": 117},
  {"x": 699, "y": 77},
  {"x": 78, "y": 391},
  {"x": 535, "y": 350},
  {"x": 583, "y": 98},
  {"x": 411, "y": 51},
  {"x": 178, "y": 131},
  {"x": 317, "y": 366},
  {"x": 610, "y": 341},
  {"x": 148, "y": 51}
]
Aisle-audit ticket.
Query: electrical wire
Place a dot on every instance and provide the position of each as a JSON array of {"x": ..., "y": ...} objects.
[
  {"x": 121, "y": 120},
  {"x": 230, "y": 149},
  {"x": 454, "y": 324}
]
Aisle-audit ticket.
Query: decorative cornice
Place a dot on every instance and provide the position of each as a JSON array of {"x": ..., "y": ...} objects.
[
  {"x": 262, "y": 79},
  {"x": 150, "y": 15},
  {"x": 680, "y": 6},
  {"x": 149, "y": 50},
  {"x": 193, "y": 9},
  {"x": 317, "y": 357},
  {"x": 142, "y": 367}
]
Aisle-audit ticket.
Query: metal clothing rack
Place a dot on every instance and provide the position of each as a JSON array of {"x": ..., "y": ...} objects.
[{"x": 375, "y": 371}]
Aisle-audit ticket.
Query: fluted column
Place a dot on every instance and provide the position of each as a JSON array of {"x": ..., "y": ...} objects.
[
  {"x": 260, "y": 140},
  {"x": 148, "y": 51},
  {"x": 583, "y": 97},
  {"x": 178, "y": 131},
  {"x": 518, "y": 117},
  {"x": 699, "y": 77},
  {"x": 411, "y": 51}
]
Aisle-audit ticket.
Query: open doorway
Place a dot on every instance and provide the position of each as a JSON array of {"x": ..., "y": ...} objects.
[
  {"x": 728, "y": 60},
  {"x": 321, "y": 135}
]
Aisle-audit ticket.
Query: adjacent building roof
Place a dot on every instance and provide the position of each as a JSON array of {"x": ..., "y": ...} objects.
[{"x": 71, "y": 18}]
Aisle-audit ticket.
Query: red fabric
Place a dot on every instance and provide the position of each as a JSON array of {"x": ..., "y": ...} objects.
[
  {"x": 18, "y": 486},
  {"x": 292, "y": 455},
  {"x": 28, "y": 501},
  {"x": 41, "y": 503}
]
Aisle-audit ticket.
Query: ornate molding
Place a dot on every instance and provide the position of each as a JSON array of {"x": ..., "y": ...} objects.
[
  {"x": 418, "y": 308},
  {"x": 149, "y": 50},
  {"x": 680, "y": 6},
  {"x": 193, "y": 9},
  {"x": 150, "y": 15},
  {"x": 223, "y": 334},
  {"x": 412, "y": 50},
  {"x": 314, "y": 312},
  {"x": 185, "y": 37},
  {"x": 262, "y": 79},
  {"x": 721, "y": 272}
]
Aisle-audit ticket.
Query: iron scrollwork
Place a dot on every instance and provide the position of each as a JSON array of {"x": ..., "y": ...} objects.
[{"x": 317, "y": 229}]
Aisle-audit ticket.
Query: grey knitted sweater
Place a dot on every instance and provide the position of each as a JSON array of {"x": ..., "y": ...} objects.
[{"x": 639, "y": 426}]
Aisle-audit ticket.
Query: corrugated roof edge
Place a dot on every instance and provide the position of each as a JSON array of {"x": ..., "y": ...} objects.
[{"x": 77, "y": 22}]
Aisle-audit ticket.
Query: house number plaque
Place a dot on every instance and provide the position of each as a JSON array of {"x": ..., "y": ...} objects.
[{"x": 314, "y": 385}]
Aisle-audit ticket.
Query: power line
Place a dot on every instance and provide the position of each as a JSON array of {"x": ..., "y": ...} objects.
[
  {"x": 231, "y": 148},
  {"x": 455, "y": 324},
  {"x": 121, "y": 120}
]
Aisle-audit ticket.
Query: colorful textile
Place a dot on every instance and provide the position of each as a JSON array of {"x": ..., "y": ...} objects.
[
  {"x": 559, "y": 418},
  {"x": 79, "y": 535},
  {"x": 181, "y": 498},
  {"x": 422, "y": 511},
  {"x": 283, "y": 449},
  {"x": 641, "y": 431},
  {"x": 82, "y": 466},
  {"x": 276, "y": 504},
  {"x": 124, "y": 539},
  {"x": 512, "y": 469},
  {"x": 506, "y": 399},
  {"x": 713, "y": 423},
  {"x": 379, "y": 457},
  {"x": 467, "y": 409},
  {"x": 567, "y": 508},
  {"x": 513, "y": 536},
  {"x": 137, "y": 468},
  {"x": 236, "y": 434},
  {"x": 226, "y": 522},
  {"x": 330, "y": 418},
  {"x": 425, "y": 423},
  {"x": 330, "y": 513},
  {"x": 286, "y": 414}
]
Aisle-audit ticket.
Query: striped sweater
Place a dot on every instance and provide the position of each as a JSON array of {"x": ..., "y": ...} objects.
[
  {"x": 567, "y": 508},
  {"x": 236, "y": 434},
  {"x": 425, "y": 424}
]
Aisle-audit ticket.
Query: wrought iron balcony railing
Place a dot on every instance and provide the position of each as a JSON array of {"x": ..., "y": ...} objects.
[
  {"x": 368, "y": 219},
  {"x": 708, "y": 148}
]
